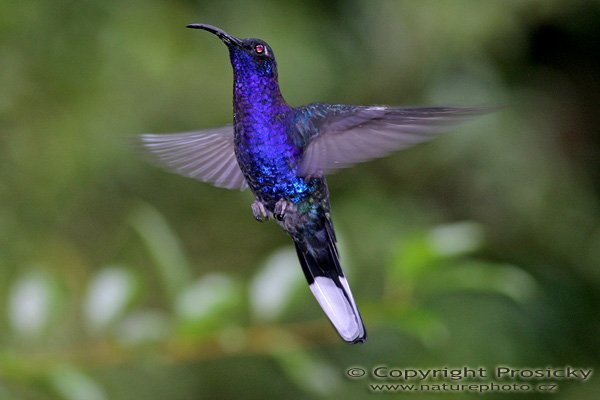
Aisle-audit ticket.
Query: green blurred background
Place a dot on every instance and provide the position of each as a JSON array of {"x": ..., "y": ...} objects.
[{"x": 122, "y": 281}]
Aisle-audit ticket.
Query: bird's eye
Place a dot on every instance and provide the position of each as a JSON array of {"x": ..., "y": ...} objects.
[{"x": 259, "y": 48}]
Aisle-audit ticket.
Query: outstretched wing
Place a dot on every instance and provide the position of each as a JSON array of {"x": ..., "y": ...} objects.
[
  {"x": 208, "y": 155},
  {"x": 336, "y": 136}
]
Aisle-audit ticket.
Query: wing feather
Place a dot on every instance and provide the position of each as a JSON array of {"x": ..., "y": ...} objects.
[
  {"x": 208, "y": 156},
  {"x": 339, "y": 136}
]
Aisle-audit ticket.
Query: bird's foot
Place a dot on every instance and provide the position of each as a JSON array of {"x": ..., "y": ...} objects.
[
  {"x": 280, "y": 207},
  {"x": 259, "y": 211}
]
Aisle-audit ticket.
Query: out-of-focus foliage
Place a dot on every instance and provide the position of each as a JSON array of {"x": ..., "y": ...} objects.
[{"x": 121, "y": 281}]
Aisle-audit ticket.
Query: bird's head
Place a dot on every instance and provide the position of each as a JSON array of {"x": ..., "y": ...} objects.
[{"x": 248, "y": 56}]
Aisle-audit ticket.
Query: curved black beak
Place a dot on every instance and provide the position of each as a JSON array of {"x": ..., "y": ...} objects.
[{"x": 224, "y": 36}]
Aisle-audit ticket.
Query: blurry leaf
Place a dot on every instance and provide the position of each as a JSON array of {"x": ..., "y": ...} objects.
[
  {"x": 455, "y": 239},
  {"x": 477, "y": 81},
  {"x": 308, "y": 372},
  {"x": 5, "y": 394},
  {"x": 273, "y": 286},
  {"x": 72, "y": 384},
  {"x": 428, "y": 327},
  {"x": 504, "y": 279},
  {"x": 232, "y": 339},
  {"x": 204, "y": 301},
  {"x": 109, "y": 293},
  {"x": 143, "y": 327},
  {"x": 164, "y": 246},
  {"x": 411, "y": 258},
  {"x": 421, "y": 252},
  {"x": 32, "y": 300}
]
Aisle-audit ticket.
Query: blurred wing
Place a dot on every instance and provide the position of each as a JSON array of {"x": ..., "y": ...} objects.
[
  {"x": 337, "y": 136},
  {"x": 207, "y": 156}
]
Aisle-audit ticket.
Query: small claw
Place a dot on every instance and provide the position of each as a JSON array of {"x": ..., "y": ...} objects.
[
  {"x": 280, "y": 207},
  {"x": 259, "y": 211}
]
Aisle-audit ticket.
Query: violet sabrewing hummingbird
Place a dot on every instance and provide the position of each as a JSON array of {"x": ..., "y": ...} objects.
[{"x": 282, "y": 154}]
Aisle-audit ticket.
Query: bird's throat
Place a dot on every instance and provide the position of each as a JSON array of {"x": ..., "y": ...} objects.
[{"x": 257, "y": 103}]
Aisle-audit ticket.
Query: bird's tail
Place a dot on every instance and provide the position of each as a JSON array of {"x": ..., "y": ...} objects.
[{"x": 319, "y": 258}]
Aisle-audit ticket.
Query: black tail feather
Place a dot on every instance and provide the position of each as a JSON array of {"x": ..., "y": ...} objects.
[{"x": 319, "y": 258}]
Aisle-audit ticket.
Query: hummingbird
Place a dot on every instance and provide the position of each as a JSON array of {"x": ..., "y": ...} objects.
[{"x": 282, "y": 154}]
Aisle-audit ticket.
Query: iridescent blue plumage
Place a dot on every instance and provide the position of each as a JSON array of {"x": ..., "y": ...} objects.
[
  {"x": 282, "y": 154},
  {"x": 266, "y": 153}
]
